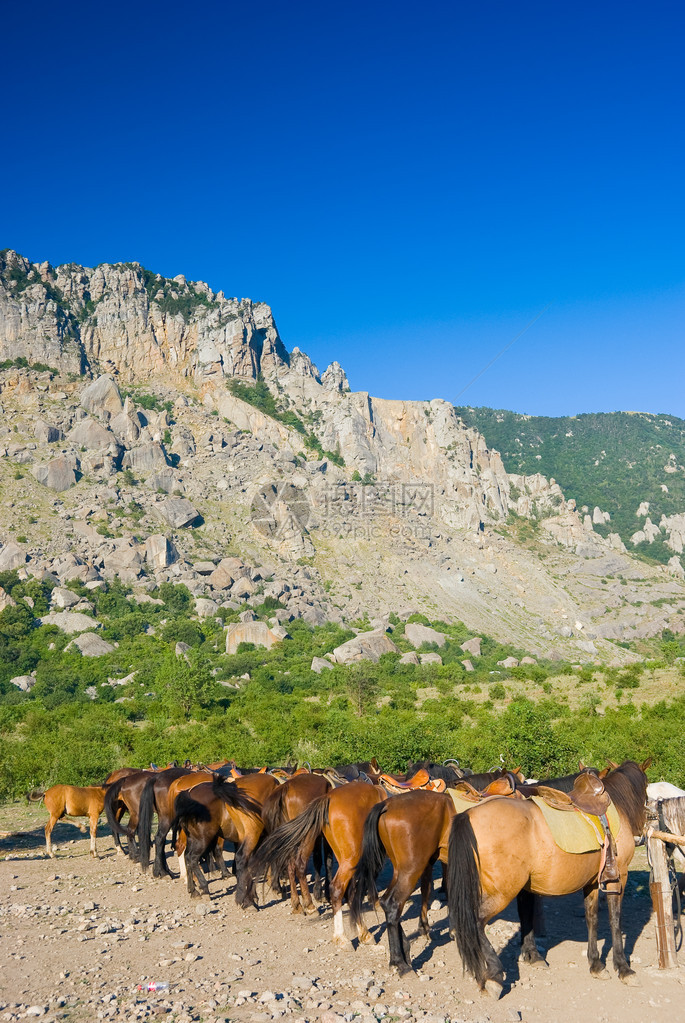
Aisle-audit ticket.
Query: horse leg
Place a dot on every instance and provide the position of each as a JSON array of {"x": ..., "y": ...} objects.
[
  {"x": 317, "y": 863},
  {"x": 93, "y": 834},
  {"x": 591, "y": 896},
  {"x": 392, "y": 902},
  {"x": 328, "y": 860},
  {"x": 48, "y": 834},
  {"x": 133, "y": 853},
  {"x": 118, "y": 814},
  {"x": 300, "y": 865},
  {"x": 338, "y": 886},
  {"x": 621, "y": 966},
  {"x": 426, "y": 885},
  {"x": 525, "y": 902},
  {"x": 245, "y": 893},
  {"x": 295, "y": 904}
]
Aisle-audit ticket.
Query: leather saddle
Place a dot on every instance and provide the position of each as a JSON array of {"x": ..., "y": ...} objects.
[
  {"x": 589, "y": 797},
  {"x": 504, "y": 786}
]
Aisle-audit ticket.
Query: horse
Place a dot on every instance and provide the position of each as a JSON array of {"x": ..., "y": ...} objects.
[
  {"x": 71, "y": 801},
  {"x": 155, "y": 796},
  {"x": 284, "y": 804},
  {"x": 412, "y": 830},
  {"x": 339, "y": 816},
  {"x": 217, "y": 810},
  {"x": 504, "y": 846},
  {"x": 124, "y": 795}
]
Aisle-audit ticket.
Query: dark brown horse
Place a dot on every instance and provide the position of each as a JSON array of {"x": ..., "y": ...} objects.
[
  {"x": 413, "y": 830},
  {"x": 284, "y": 804},
  {"x": 221, "y": 810},
  {"x": 504, "y": 846},
  {"x": 156, "y": 797},
  {"x": 339, "y": 816}
]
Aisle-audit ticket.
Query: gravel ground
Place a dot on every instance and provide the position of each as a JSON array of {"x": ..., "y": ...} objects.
[{"x": 79, "y": 936}]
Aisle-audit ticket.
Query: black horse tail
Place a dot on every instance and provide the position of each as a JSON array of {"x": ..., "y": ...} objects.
[
  {"x": 186, "y": 809},
  {"x": 285, "y": 843},
  {"x": 146, "y": 809},
  {"x": 111, "y": 799},
  {"x": 371, "y": 860},
  {"x": 464, "y": 894},
  {"x": 273, "y": 810},
  {"x": 35, "y": 795},
  {"x": 234, "y": 796}
]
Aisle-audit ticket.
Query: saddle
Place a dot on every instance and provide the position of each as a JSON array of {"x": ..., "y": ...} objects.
[
  {"x": 589, "y": 798},
  {"x": 421, "y": 780},
  {"x": 504, "y": 786}
]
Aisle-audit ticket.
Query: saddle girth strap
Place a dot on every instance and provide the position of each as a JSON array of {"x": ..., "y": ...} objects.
[{"x": 609, "y": 877}]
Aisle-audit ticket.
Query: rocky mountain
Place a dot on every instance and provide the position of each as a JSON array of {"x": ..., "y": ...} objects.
[{"x": 155, "y": 430}]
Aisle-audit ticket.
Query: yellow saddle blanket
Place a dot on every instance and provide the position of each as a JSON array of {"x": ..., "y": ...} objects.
[
  {"x": 577, "y": 832},
  {"x": 462, "y": 803}
]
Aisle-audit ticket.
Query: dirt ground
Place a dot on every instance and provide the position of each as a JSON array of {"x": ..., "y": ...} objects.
[{"x": 78, "y": 936}]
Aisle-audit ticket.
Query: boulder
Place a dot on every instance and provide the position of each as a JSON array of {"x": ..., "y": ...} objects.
[
  {"x": 181, "y": 650},
  {"x": 12, "y": 556},
  {"x": 430, "y": 658},
  {"x": 509, "y": 662},
  {"x": 124, "y": 561},
  {"x": 280, "y": 632},
  {"x": 243, "y": 588},
  {"x": 69, "y": 621},
  {"x": 528, "y": 660},
  {"x": 59, "y": 473},
  {"x": 102, "y": 396},
  {"x": 472, "y": 646},
  {"x": 23, "y": 682},
  {"x": 126, "y": 428},
  {"x": 63, "y": 598},
  {"x": 91, "y": 645},
  {"x": 258, "y": 633},
  {"x": 205, "y": 608},
  {"x": 145, "y": 457},
  {"x": 420, "y": 634},
  {"x": 468, "y": 666},
  {"x": 91, "y": 435},
  {"x": 70, "y": 567},
  {"x": 159, "y": 552},
  {"x": 166, "y": 479},
  {"x": 367, "y": 646},
  {"x": 176, "y": 512},
  {"x": 6, "y": 600},
  {"x": 204, "y": 567},
  {"x": 45, "y": 433},
  {"x": 411, "y": 657},
  {"x": 320, "y": 664}
]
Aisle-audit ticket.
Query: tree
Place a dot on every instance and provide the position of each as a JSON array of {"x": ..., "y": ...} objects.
[{"x": 185, "y": 681}]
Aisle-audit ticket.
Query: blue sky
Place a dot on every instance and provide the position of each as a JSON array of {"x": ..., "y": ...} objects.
[{"x": 407, "y": 185}]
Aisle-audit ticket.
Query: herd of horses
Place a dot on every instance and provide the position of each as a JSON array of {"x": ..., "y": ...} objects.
[{"x": 487, "y": 830}]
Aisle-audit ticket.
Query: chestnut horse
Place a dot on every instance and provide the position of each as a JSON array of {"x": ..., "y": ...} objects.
[
  {"x": 339, "y": 816},
  {"x": 284, "y": 804},
  {"x": 71, "y": 801},
  {"x": 503, "y": 846},
  {"x": 218, "y": 810}
]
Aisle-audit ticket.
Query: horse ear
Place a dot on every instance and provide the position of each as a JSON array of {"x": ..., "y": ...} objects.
[
  {"x": 374, "y": 764},
  {"x": 612, "y": 764},
  {"x": 604, "y": 772},
  {"x": 581, "y": 765},
  {"x": 517, "y": 770},
  {"x": 645, "y": 764}
]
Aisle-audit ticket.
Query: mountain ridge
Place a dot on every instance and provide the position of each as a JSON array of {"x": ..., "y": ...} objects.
[{"x": 374, "y": 505}]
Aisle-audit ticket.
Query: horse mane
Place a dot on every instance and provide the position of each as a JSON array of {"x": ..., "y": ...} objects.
[{"x": 627, "y": 786}]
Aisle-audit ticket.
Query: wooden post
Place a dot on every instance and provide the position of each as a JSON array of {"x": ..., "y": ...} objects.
[{"x": 660, "y": 890}]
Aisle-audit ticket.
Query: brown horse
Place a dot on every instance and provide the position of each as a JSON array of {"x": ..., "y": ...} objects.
[
  {"x": 339, "y": 816},
  {"x": 71, "y": 801},
  {"x": 503, "y": 846},
  {"x": 221, "y": 810},
  {"x": 284, "y": 804}
]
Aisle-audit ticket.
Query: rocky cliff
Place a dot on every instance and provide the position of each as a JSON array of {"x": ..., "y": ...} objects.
[{"x": 164, "y": 426}]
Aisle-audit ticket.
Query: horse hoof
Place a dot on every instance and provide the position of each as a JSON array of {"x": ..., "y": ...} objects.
[
  {"x": 599, "y": 974},
  {"x": 341, "y": 942},
  {"x": 630, "y": 979},
  {"x": 310, "y": 911},
  {"x": 493, "y": 988},
  {"x": 367, "y": 939},
  {"x": 401, "y": 969}
]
